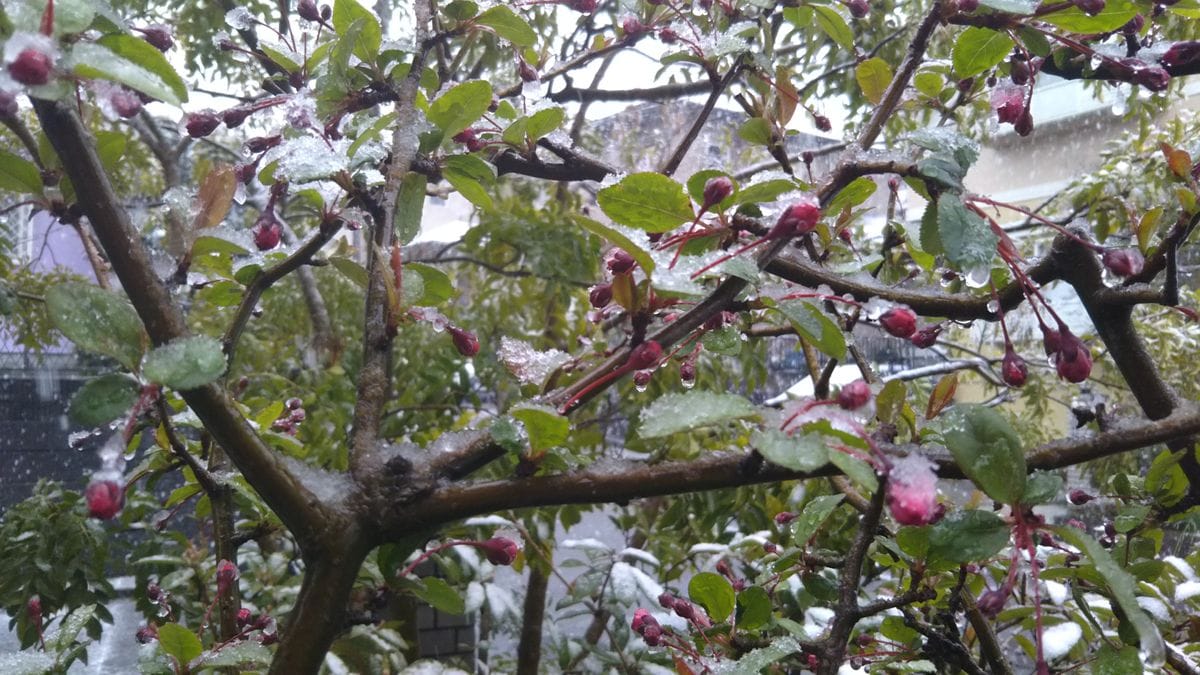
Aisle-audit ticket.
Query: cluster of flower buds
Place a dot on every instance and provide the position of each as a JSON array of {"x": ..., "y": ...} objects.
[
  {"x": 289, "y": 420},
  {"x": 647, "y": 626},
  {"x": 1070, "y": 356},
  {"x": 308, "y": 10}
]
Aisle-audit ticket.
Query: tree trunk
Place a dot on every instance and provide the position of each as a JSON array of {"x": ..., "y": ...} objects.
[{"x": 320, "y": 611}]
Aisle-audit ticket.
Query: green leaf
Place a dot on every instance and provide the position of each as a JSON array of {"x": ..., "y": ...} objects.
[
  {"x": 370, "y": 35},
  {"x": 779, "y": 649},
  {"x": 914, "y": 541},
  {"x": 726, "y": 341},
  {"x": 966, "y": 238},
  {"x": 858, "y": 191},
  {"x": 440, "y": 595},
  {"x": 966, "y": 536},
  {"x": 97, "y": 320},
  {"x": 468, "y": 174},
  {"x": 18, "y": 174},
  {"x": 756, "y": 131},
  {"x": 371, "y": 132},
  {"x": 855, "y": 469},
  {"x": 1111, "y": 661},
  {"x": 714, "y": 593},
  {"x": 103, "y": 399},
  {"x": 410, "y": 205},
  {"x": 1042, "y": 487},
  {"x": 929, "y": 83},
  {"x": 179, "y": 642},
  {"x": 618, "y": 239},
  {"x": 814, "y": 326},
  {"x": 460, "y": 107},
  {"x": 988, "y": 451},
  {"x": 546, "y": 428},
  {"x": 1129, "y": 518},
  {"x": 460, "y": 10},
  {"x": 1122, "y": 586},
  {"x": 246, "y": 654},
  {"x": 543, "y": 121},
  {"x": 798, "y": 452},
  {"x": 70, "y": 628},
  {"x": 873, "y": 77},
  {"x": 351, "y": 270},
  {"x": 931, "y": 240},
  {"x": 133, "y": 62},
  {"x": 676, "y": 412},
  {"x": 1116, "y": 13},
  {"x": 436, "y": 287},
  {"x": 978, "y": 49},
  {"x": 508, "y": 25},
  {"x": 943, "y": 171},
  {"x": 834, "y": 25},
  {"x": 766, "y": 191},
  {"x": 647, "y": 201},
  {"x": 753, "y": 608},
  {"x": 815, "y": 513},
  {"x": 508, "y": 434},
  {"x": 890, "y": 401},
  {"x": 186, "y": 363}
]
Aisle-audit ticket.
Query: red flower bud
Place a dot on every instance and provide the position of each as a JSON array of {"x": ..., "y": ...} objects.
[
  {"x": 646, "y": 355},
  {"x": 147, "y": 634},
  {"x": 584, "y": 6},
  {"x": 31, "y": 67},
  {"x": 927, "y": 336},
  {"x": 619, "y": 261},
  {"x": 1154, "y": 78},
  {"x": 158, "y": 35},
  {"x": 1181, "y": 54},
  {"x": 912, "y": 490},
  {"x": 992, "y": 601},
  {"x": 307, "y": 9},
  {"x": 1013, "y": 370},
  {"x": 716, "y": 190},
  {"x": 632, "y": 26},
  {"x": 668, "y": 36},
  {"x": 33, "y": 608},
  {"x": 263, "y": 143},
  {"x": 968, "y": 6},
  {"x": 899, "y": 322},
  {"x": 1123, "y": 262},
  {"x": 1073, "y": 361},
  {"x": 104, "y": 499},
  {"x": 235, "y": 116},
  {"x": 527, "y": 72},
  {"x": 687, "y": 374},
  {"x": 858, "y": 8},
  {"x": 641, "y": 379},
  {"x": 784, "y": 517},
  {"x": 464, "y": 341},
  {"x": 798, "y": 219},
  {"x": 666, "y": 600},
  {"x": 600, "y": 295},
  {"x": 823, "y": 124},
  {"x": 1024, "y": 125},
  {"x": 641, "y": 619},
  {"x": 854, "y": 395},
  {"x": 1009, "y": 103},
  {"x": 227, "y": 574},
  {"x": 153, "y": 592},
  {"x": 1079, "y": 497},
  {"x": 1051, "y": 340},
  {"x": 125, "y": 102},
  {"x": 500, "y": 550},
  {"x": 243, "y": 617},
  {"x": 267, "y": 233},
  {"x": 201, "y": 124}
]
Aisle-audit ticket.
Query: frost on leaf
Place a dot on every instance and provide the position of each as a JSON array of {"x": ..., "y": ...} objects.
[{"x": 527, "y": 364}]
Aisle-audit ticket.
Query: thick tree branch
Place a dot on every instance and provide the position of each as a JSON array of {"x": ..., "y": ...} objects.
[{"x": 300, "y": 511}]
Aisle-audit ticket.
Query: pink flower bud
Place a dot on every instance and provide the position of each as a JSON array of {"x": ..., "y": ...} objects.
[
  {"x": 668, "y": 35},
  {"x": 784, "y": 517},
  {"x": 243, "y": 617},
  {"x": 125, "y": 102},
  {"x": 641, "y": 379},
  {"x": 716, "y": 190},
  {"x": 687, "y": 373},
  {"x": 858, "y": 8},
  {"x": 201, "y": 124},
  {"x": 469, "y": 138},
  {"x": 666, "y": 600},
  {"x": 1079, "y": 497},
  {"x": 31, "y": 67},
  {"x": 641, "y": 619},
  {"x": 632, "y": 26},
  {"x": 899, "y": 321},
  {"x": 798, "y": 219},
  {"x": 105, "y": 498},
  {"x": 1123, "y": 262},
  {"x": 33, "y": 609},
  {"x": 464, "y": 341},
  {"x": 645, "y": 355},
  {"x": 500, "y": 550},
  {"x": 822, "y": 124},
  {"x": 1073, "y": 361},
  {"x": 854, "y": 395},
  {"x": 1009, "y": 103},
  {"x": 619, "y": 261},
  {"x": 227, "y": 574},
  {"x": 912, "y": 490},
  {"x": 600, "y": 295},
  {"x": 1013, "y": 370}
]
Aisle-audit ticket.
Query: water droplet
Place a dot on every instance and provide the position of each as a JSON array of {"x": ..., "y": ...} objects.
[
  {"x": 977, "y": 277},
  {"x": 687, "y": 384},
  {"x": 993, "y": 306}
]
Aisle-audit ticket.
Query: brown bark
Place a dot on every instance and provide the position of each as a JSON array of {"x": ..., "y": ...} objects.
[{"x": 529, "y": 650}]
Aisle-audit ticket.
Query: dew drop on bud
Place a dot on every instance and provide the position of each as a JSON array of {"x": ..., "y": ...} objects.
[{"x": 641, "y": 380}]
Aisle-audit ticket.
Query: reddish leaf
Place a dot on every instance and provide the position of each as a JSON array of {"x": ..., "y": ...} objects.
[
  {"x": 942, "y": 395},
  {"x": 1179, "y": 160}
]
